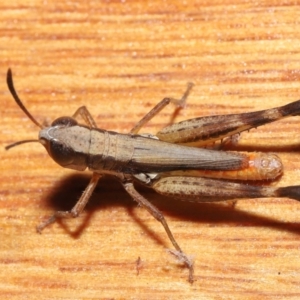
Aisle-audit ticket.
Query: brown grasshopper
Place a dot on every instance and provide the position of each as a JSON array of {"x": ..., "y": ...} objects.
[{"x": 168, "y": 162}]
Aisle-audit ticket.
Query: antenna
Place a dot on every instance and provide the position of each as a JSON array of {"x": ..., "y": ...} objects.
[
  {"x": 10, "y": 84},
  {"x": 11, "y": 87}
]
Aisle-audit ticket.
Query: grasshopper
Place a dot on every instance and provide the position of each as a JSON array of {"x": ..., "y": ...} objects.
[{"x": 169, "y": 162}]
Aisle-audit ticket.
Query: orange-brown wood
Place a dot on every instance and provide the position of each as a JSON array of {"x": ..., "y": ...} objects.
[{"x": 119, "y": 58}]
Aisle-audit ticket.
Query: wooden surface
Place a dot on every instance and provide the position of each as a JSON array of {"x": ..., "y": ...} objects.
[{"x": 119, "y": 58}]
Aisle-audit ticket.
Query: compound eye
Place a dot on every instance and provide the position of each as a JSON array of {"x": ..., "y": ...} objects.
[
  {"x": 64, "y": 121},
  {"x": 61, "y": 153}
]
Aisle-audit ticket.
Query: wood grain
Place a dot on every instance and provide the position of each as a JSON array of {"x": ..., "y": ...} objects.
[{"x": 119, "y": 58}]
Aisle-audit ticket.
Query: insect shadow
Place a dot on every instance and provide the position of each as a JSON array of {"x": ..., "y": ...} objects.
[
  {"x": 109, "y": 193},
  {"x": 66, "y": 192}
]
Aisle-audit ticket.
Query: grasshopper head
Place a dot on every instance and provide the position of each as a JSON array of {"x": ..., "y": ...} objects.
[{"x": 63, "y": 145}]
